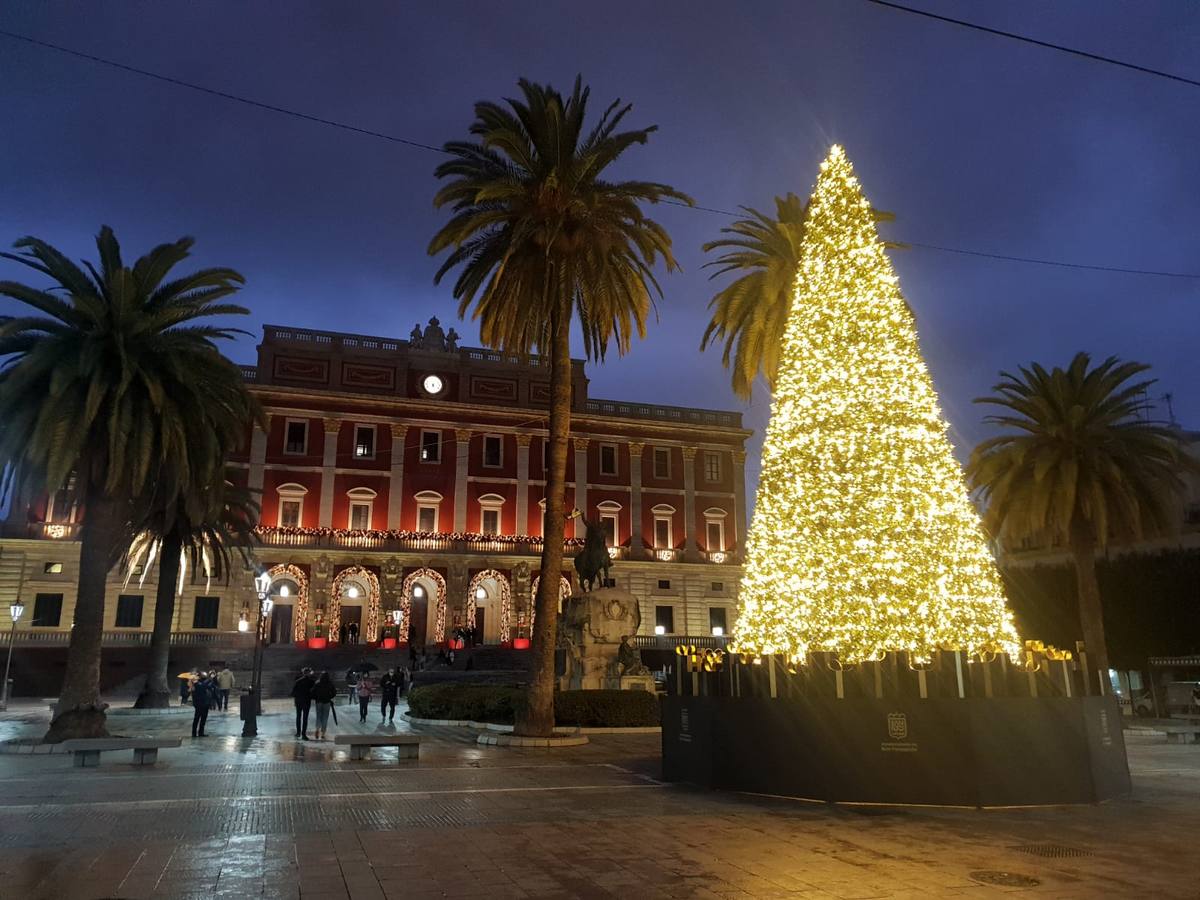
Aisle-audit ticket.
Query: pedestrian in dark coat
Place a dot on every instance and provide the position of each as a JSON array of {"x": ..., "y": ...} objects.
[
  {"x": 389, "y": 692},
  {"x": 202, "y": 699},
  {"x": 302, "y": 697}
]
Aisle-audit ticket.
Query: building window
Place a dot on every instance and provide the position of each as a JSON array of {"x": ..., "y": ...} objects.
[
  {"x": 609, "y": 521},
  {"x": 431, "y": 446},
  {"x": 489, "y": 514},
  {"x": 493, "y": 451},
  {"x": 664, "y": 620},
  {"x": 664, "y": 584},
  {"x": 289, "y": 513},
  {"x": 662, "y": 462},
  {"x": 664, "y": 516},
  {"x": 129, "y": 611},
  {"x": 428, "y": 504},
  {"x": 608, "y": 459},
  {"x": 52, "y": 568},
  {"x": 364, "y": 441},
  {"x": 206, "y": 612},
  {"x": 360, "y": 515},
  {"x": 716, "y": 620},
  {"x": 712, "y": 466},
  {"x": 714, "y": 530},
  {"x": 47, "y": 610},
  {"x": 717, "y": 587},
  {"x": 295, "y": 436}
]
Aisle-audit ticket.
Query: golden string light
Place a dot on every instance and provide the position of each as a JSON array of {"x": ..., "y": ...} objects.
[{"x": 864, "y": 539}]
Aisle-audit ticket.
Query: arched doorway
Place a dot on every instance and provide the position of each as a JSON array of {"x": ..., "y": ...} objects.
[
  {"x": 564, "y": 591},
  {"x": 489, "y": 607},
  {"x": 416, "y": 593},
  {"x": 289, "y": 610},
  {"x": 354, "y": 597}
]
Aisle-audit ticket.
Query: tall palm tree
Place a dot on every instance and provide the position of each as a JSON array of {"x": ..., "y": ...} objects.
[
  {"x": 1081, "y": 465},
  {"x": 201, "y": 528},
  {"x": 104, "y": 383},
  {"x": 542, "y": 237},
  {"x": 751, "y": 312}
]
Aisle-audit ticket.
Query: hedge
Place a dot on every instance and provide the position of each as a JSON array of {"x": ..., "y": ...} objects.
[{"x": 499, "y": 704}]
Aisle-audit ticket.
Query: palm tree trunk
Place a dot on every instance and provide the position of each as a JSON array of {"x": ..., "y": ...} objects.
[
  {"x": 537, "y": 720},
  {"x": 80, "y": 711},
  {"x": 157, "y": 692},
  {"x": 1091, "y": 611}
]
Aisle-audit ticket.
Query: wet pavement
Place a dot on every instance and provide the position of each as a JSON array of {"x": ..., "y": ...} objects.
[{"x": 275, "y": 817}]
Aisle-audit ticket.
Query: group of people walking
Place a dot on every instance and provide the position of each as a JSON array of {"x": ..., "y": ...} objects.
[
  {"x": 207, "y": 691},
  {"x": 321, "y": 691}
]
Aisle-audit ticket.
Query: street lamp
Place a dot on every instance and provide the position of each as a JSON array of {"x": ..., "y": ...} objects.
[
  {"x": 262, "y": 584},
  {"x": 16, "y": 609}
]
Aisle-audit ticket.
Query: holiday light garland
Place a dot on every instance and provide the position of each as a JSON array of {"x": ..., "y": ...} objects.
[
  {"x": 864, "y": 539},
  {"x": 406, "y": 589},
  {"x": 372, "y": 534},
  {"x": 357, "y": 573},
  {"x": 300, "y": 611},
  {"x": 505, "y": 600},
  {"x": 564, "y": 591}
]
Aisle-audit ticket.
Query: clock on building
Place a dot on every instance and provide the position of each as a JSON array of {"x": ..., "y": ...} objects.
[{"x": 432, "y": 384}]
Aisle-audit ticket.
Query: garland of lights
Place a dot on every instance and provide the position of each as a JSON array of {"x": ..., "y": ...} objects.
[
  {"x": 864, "y": 539},
  {"x": 263, "y": 531},
  {"x": 371, "y": 627},
  {"x": 505, "y": 601},
  {"x": 296, "y": 574},
  {"x": 564, "y": 591},
  {"x": 406, "y": 601}
]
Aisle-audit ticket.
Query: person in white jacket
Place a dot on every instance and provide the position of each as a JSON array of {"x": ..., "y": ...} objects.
[{"x": 225, "y": 683}]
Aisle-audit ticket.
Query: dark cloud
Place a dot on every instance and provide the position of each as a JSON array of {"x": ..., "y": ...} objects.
[{"x": 971, "y": 140}]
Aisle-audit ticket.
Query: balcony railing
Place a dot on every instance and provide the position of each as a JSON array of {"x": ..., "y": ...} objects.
[
  {"x": 687, "y": 414},
  {"x": 671, "y": 641},
  {"x": 123, "y": 638}
]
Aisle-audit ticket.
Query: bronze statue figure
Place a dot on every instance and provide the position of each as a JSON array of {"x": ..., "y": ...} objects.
[{"x": 593, "y": 560}]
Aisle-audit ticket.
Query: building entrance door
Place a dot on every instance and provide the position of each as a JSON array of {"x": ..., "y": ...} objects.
[
  {"x": 480, "y": 618},
  {"x": 353, "y": 614},
  {"x": 280, "y": 631},
  {"x": 420, "y": 619}
]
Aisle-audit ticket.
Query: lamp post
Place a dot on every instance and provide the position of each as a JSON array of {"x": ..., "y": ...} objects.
[
  {"x": 251, "y": 711},
  {"x": 16, "y": 609}
]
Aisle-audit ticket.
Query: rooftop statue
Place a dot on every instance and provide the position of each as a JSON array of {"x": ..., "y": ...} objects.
[{"x": 434, "y": 337}]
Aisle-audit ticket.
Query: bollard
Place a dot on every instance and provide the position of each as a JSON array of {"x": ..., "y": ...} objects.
[{"x": 248, "y": 713}]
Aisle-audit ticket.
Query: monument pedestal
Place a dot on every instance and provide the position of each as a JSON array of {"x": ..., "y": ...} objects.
[{"x": 591, "y": 630}]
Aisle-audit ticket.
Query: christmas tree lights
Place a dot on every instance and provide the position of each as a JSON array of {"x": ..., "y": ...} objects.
[{"x": 864, "y": 539}]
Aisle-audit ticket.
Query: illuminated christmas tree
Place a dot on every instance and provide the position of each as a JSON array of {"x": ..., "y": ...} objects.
[{"x": 864, "y": 538}]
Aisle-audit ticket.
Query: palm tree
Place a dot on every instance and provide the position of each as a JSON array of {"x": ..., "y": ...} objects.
[
  {"x": 543, "y": 237},
  {"x": 104, "y": 383},
  {"x": 1081, "y": 465},
  {"x": 199, "y": 528},
  {"x": 751, "y": 312}
]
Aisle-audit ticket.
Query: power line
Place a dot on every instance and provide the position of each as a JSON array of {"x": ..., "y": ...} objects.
[
  {"x": 346, "y": 126},
  {"x": 179, "y": 82},
  {"x": 1095, "y": 57}
]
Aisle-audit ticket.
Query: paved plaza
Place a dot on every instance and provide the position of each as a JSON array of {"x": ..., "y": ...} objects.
[{"x": 274, "y": 817}]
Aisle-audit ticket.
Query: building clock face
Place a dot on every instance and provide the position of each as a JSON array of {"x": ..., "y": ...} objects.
[{"x": 432, "y": 384}]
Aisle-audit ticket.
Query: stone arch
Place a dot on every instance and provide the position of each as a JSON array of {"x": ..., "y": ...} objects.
[
  {"x": 356, "y": 573},
  {"x": 564, "y": 591},
  {"x": 505, "y": 600},
  {"x": 439, "y": 628},
  {"x": 300, "y": 613}
]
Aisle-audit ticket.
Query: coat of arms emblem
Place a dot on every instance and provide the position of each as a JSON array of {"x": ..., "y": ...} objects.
[{"x": 897, "y": 724}]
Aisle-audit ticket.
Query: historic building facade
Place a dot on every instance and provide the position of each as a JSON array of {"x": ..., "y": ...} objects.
[{"x": 406, "y": 478}]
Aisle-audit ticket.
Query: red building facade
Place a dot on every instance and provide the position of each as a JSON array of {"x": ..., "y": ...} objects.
[{"x": 404, "y": 479}]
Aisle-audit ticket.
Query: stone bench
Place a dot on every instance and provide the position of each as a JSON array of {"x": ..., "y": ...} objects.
[
  {"x": 407, "y": 745},
  {"x": 145, "y": 750},
  {"x": 1181, "y": 734}
]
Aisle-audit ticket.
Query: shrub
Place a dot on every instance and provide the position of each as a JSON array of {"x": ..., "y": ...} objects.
[
  {"x": 499, "y": 704},
  {"x": 473, "y": 702},
  {"x": 606, "y": 709}
]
